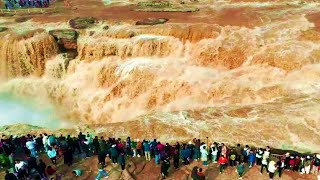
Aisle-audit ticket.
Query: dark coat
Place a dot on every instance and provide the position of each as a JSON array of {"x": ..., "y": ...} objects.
[
  {"x": 122, "y": 159},
  {"x": 165, "y": 166}
]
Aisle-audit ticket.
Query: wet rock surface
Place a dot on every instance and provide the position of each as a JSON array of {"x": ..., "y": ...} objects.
[
  {"x": 152, "y": 21},
  {"x": 66, "y": 38},
  {"x": 82, "y": 22}
]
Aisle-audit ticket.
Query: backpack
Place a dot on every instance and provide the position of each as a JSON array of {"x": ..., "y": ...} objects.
[
  {"x": 233, "y": 157},
  {"x": 317, "y": 162}
]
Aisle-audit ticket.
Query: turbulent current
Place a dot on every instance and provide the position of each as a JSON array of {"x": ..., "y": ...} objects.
[{"x": 255, "y": 85}]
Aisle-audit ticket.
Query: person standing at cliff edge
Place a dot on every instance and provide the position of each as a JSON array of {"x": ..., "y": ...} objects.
[
  {"x": 271, "y": 168},
  {"x": 222, "y": 162},
  {"x": 316, "y": 164},
  {"x": 204, "y": 155},
  {"x": 165, "y": 167}
]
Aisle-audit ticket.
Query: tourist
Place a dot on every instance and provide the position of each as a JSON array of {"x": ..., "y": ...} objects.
[
  {"x": 50, "y": 171},
  {"x": 271, "y": 168},
  {"x": 214, "y": 152},
  {"x": 287, "y": 160},
  {"x": 197, "y": 153},
  {"x": 291, "y": 162},
  {"x": 307, "y": 165},
  {"x": 266, "y": 153},
  {"x": 157, "y": 155},
  {"x": 122, "y": 160},
  {"x": 176, "y": 157},
  {"x": 232, "y": 158},
  {"x": 186, "y": 153},
  {"x": 245, "y": 153},
  {"x": 128, "y": 147},
  {"x": 102, "y": 157},
  {"x": 259, "y": 156},
  {"x": 316, "y": 164},
  {"x": 4, "y": 160},
  {"x": 222, "y": 163},
  {"x": 45, "y": 142},
  {"x": 134, "y": 147},
  {"x": 139, "y": 148},
  {"x": 240, "y": 169},
  {"x": 167, "y": 150},
  {"x": 204, "y": 155},
  {"x": 194, "y": 173},
  {"x": 42, "y": 168},
  {"x": 31, "y": 162},
  {"x": 296, "y": 163},
  {"x": 10, "y": 176},
  {"x": 200, "y": 174},
  {"x": 31, "y": 145},
  {"x": 85, "y": 145},
  {"x": 191, "y": 147},
  {"x": 52, "y": 154},
  {"x": 103, "y": 145},
  {"x": 101, "y": 172},
  {"x": 281, "y": 165},
  {"x": 19, "y": 165},
  {"x": 224, "y": 150},
  {"x": 114, "y": 154},
  {"x": 68, "y": 156},
  {"x": 239, "y": 153},
  {"x": 52, "y": 140},
  {"x": 302, "y": 165},
  {"x": 264, "y": 163},
  {"x": 96, "y": 145},
  {"x": 165, "y": 167},
  {"x": 147, "y": 150},
  {"x": 251, "y": 158},
  {"x": 153, "y": 147}
]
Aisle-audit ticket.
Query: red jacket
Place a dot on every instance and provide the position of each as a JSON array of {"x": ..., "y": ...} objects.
[
  {"x": 297, "y": 162},
  {"x": 222, "y": 160},
  {"x": 160, "y": 147},
  {"x": 291, "y": 162}
]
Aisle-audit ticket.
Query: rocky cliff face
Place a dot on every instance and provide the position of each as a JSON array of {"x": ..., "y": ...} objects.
[{"x": 235, "y": 84}]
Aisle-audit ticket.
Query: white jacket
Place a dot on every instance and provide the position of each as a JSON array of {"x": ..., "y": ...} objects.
[
  {"x": 271, "y": 167},
  {"x": 45, "y": 140}
]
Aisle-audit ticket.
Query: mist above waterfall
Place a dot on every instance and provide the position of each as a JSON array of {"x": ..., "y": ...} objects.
[{"x": 14, "y": 110}]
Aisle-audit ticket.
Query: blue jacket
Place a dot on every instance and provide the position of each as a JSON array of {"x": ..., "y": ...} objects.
[
  {"x": 185, "y": 153},
  {"x": 252, "y": 157},
  {"x": 52, "y": 153},
  {"x": 146, "y": 147}
]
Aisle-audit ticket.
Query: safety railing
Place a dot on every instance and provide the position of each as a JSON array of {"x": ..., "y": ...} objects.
[
  {"x": 27, "y": 10},
  {"x": 276, "y": 156}
]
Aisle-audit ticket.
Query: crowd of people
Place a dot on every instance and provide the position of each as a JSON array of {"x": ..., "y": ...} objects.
[
  {"x": 22, "y": 157},
  {"x": 11, "y": 4}
]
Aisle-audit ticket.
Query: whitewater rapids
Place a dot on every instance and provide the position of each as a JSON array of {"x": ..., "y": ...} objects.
[{"x": 233, "y": 84}]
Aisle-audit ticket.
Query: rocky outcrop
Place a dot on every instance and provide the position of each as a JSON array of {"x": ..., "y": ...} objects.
[
  {"x": 66, "y": 38},
  {"x": 22, "y": 19},
  {"x": 152, "y": 21},
  {"x": 82, "y": 22}
]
